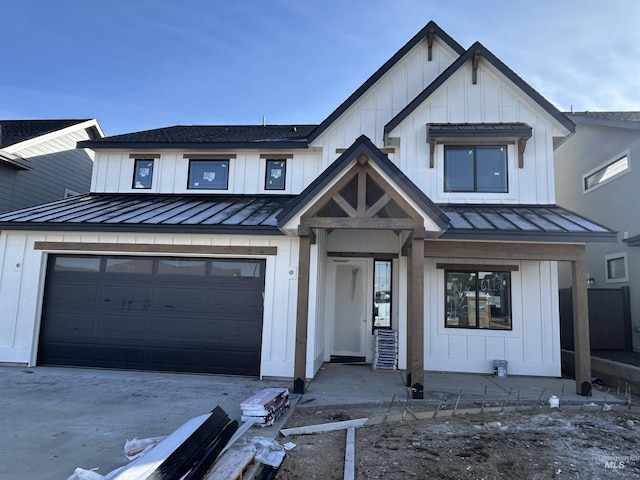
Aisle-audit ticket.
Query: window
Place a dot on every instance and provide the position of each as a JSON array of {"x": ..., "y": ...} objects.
[
  {"x": 606, "y": 173},
  {"x": 129, "y": 265},
  {"x": 477, "y": 299},
  {"x": 142, "y": 173},
  {"x": 475, "y": 169},
  {"x": 616, "y": 267},
  {"x": 382, "y": 294},
  {"x": 77, "y": 264},
  {"x": 182, "y": 266},
  {"x": 275, "y": 175},
  {"x": 209, "y": 174}
]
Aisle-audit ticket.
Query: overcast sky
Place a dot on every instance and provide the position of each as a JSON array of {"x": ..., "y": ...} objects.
[{"x": 141, "y": 64}]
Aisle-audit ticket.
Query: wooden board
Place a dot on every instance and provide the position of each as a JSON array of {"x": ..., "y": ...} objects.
[{"x": 233, "y": 464}]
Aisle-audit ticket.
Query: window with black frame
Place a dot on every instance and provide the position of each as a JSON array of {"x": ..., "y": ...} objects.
[
  {"x": 275, "y": 174},
  {"x": 208, "y": 174},
  {"x": 477, "y": 299},
  {"x": 143, "y": 173},
  {"x": 475, "y": 169}
]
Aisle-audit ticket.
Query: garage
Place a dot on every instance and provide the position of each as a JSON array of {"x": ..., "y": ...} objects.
[{"x": 176, "y": 314}]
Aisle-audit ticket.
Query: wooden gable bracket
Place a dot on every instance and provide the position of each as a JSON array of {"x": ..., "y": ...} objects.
[
  {"x": 432, "y": 151},
  {"x": 474, "y": 66},
  {"x": 430, "y": 37},
  {"x": 522, "y": 143}
]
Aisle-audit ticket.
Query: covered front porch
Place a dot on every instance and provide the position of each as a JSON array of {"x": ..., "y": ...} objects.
[{"x": 365, "y": 194}]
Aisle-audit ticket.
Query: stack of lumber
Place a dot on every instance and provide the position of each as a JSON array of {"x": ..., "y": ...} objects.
[
  {"x": 266, "y": 406},
  {"x": 385, "y": 350}
]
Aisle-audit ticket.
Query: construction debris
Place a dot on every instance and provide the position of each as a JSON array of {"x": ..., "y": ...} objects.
[
  {"x": 266, "y": 406},
  {"x": 324, "y": 427}
]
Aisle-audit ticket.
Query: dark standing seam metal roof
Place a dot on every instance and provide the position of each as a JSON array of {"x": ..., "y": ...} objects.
[
  {"x": 487, "y": 130},
  {"x": 209, "y": 137},
  {"x": 506, "y": 71},
  {"x": 257, "y": 214},
  {"x": 421, "y": 35},
  {"x": 522, "y": 222},
  {"x": 16, "y": 131},
  {"x": 242, "y": 214}
]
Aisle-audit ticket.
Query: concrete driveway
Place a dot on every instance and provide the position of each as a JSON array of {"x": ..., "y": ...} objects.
[{"x": 53, "y": 420}]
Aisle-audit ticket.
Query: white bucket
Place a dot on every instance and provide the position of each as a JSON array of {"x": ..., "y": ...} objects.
[
  {"x": 500, "y": 368},
  {"x": 554, "y": 402}
]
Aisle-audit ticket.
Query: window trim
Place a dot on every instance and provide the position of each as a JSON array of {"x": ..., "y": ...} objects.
[
  {"x": 604, "y": 166},
  {"x": 476, "y": 271},
  {"x": 616, "y": 256},
  {"x": 475, "y": 147},
  {"x": 221, "y": 161}
]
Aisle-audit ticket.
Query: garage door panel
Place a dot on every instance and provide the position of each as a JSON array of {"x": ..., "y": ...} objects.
[
  {"x": 192, "y": 322},
  {"x": 122, "y": 326},
  {"x": 125, "y": 297}
]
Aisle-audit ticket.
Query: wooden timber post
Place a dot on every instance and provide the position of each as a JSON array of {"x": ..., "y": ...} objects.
[
  {"x": 415, "y": 322},
  {"x": 302, "y": 312},
  {"x": 581, "y": 342}
]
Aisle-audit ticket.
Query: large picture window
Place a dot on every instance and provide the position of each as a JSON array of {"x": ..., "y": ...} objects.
[
  {"x": 475, "y": 169},
  {"x": 477, "y": 299},
  {"x": 209, "y": 174}
]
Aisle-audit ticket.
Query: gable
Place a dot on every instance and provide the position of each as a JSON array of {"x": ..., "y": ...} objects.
[
  {"x": 363, "y": 189},
  {"x": 392, "y": 86},
  {"x": 492, "y": 81}
]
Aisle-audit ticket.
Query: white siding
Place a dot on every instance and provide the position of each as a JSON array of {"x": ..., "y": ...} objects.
[
  {"x": 492, "y": 99},
  {"x": 113, "y": 173},
  {"x": 532, "y": 347},
  {"x": 385, "y": 99},
  {"x": 22, "y": 272}
]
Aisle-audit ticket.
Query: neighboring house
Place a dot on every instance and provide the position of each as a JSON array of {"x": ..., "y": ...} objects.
[
  {"x": 39, "y": 161},
  {"x": 598, "y": 174},
  {"x": 424, "y": 204}
]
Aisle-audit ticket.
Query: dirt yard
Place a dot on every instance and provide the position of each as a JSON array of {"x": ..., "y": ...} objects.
[{"x": 539, "y": 443}]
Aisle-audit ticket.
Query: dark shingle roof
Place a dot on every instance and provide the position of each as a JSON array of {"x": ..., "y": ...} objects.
[
  {"x": 614, "y": 119},
  {"x": 246, "y": 214},
  {"x": 16, "y": 131},
  {"x": 209, "y": 136}
]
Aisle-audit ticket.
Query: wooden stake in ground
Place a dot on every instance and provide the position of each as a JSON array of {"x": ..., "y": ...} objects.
[{"x": 350, "y": 455}]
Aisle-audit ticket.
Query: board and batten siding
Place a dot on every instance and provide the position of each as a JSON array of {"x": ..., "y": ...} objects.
[
  {"x": 386, "y": 98},
  {"x": 22, "y": 282},
  {"x": 492, "y": 99},
  {"x": 532, "y": 347},
  {"x": 113, "y": 173}
]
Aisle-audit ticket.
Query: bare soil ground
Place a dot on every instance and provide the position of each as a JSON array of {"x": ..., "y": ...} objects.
[{"x": 539, "y": 443}]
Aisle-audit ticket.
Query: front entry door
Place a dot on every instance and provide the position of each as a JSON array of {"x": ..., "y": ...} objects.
[{"x": 350, "y": 335}]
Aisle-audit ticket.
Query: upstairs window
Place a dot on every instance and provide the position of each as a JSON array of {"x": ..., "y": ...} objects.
[
  {"x": 275, "y": 174},
  {"x": 605, "y": 173},
  {"x": 481, "y": 169},
  {"x": 616, "y": 268},
  {"x": 143, "y": 173},
  {"x": 208, "y": 174}
]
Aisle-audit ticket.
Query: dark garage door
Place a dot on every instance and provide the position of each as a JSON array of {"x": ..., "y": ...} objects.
[{"x": 153, "y": 313}]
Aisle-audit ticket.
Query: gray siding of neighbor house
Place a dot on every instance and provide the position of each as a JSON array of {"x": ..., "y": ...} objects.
[
  {"x": 56, "y": 165},
  {"x": 615, "y": 204},
  {"x": 7, "y": 181}
]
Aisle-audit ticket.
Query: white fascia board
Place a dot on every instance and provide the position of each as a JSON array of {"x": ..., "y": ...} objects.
[{"x": 52, "y": 135}]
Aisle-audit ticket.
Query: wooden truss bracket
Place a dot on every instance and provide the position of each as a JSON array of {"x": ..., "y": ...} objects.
[
  {"x": 430, "y": 37},
  {"x": 474, "y": 66}
]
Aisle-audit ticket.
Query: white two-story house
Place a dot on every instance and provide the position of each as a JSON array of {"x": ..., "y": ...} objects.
[{"x": 424, "y": 204}]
